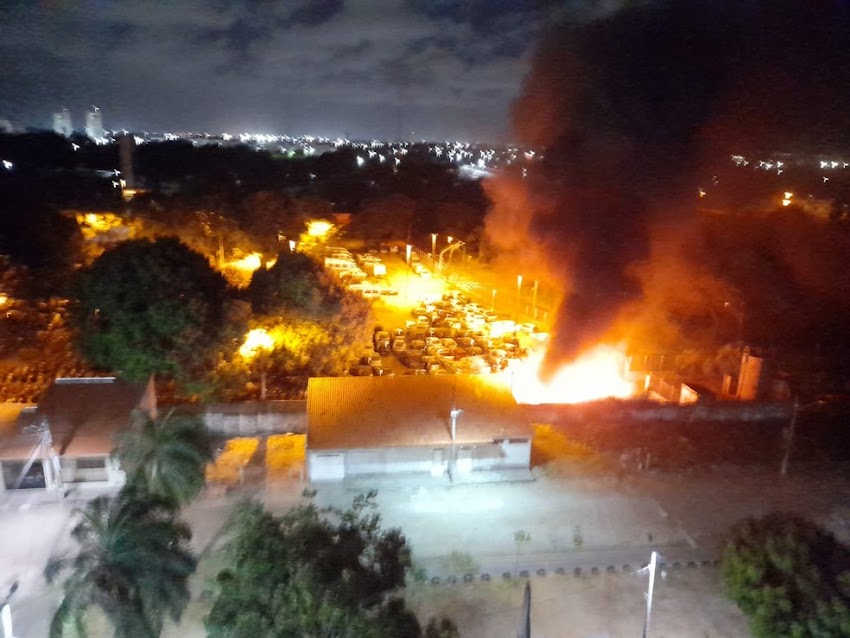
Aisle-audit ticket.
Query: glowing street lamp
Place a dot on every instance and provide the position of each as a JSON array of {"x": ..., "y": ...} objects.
[
  {"x": 433, "y": 246},
  {"x": 318, "y": 228},
  {"x": 256, "y": 341},
  {"x": 518, "y": 293},
  {"x": 407, "y": 249},
  {"x": 534, "y": 298}
]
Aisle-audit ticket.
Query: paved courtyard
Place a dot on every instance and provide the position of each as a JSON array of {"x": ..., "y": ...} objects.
[{"x": 470, "y": 529}]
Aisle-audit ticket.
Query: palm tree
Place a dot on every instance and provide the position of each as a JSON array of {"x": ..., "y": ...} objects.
[
  {"x": 165, "y": 457},
  {"x": 133, "y": 563}
]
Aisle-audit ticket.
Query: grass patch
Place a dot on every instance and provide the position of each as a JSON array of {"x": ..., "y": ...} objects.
[
  {"x": 285, "y": 453},
  {"x": 228, "y": 465}
]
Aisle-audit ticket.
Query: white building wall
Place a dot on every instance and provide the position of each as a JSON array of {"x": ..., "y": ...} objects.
[{"x": 434, "y": 460}]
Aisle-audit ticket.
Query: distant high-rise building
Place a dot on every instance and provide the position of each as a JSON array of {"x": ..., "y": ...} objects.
[
  {"x": 62, "y": 123},
  {"x": 94, "y": 124}
]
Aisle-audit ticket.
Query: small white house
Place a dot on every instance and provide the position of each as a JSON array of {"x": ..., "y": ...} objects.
[
  {"x": 451, "y": 424},
  {"x": 68, "y": 437}
]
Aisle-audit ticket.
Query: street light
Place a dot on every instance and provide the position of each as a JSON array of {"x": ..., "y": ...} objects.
[
  {"x": 518, "y": 293},
  {"x": 433, "y": 247},
  {"x": 454, "y": 414},
  {"x": 407, "y": 250},
  {"x": 653, "y": 563},
  {"x": 534, "y": 298},
  {"x": 455, "y": 246}
]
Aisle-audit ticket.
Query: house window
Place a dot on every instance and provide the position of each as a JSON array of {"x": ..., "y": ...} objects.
[
  {"x": 34, "y": 478},
  {"x": 91, "y": 463}
]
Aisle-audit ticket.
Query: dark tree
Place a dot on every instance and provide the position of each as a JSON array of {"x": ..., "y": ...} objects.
[
  {"x": 134, "y": 563},
  {"x": 36, "y": 235},
  {"x": 314, "y": 573},
  {"x": 151, "y": 308},
  {"x": 789, "y": 576},
  {"x": 295, "y": 282},
  {"x": 165, "y": 457}
]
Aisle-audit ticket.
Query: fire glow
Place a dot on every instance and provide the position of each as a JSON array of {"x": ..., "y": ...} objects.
[{"x": 597, "y": 374}]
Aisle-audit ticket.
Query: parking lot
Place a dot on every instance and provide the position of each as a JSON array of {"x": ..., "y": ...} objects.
[{"x": 424, "y": 326}]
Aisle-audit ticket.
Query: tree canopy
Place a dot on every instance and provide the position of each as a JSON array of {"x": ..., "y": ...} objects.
[
  {"x": 133, "y": 563},
  {"x": 312, "y": 573},
  {"x": 294, "y": 282},
  {"x": 165, "y": 457},
  {"x": 151, "y": 307},
  {"x": 789, "y": 576}
]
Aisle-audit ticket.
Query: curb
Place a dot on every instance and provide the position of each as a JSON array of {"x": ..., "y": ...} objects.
[{"x": 577, "y": 572}]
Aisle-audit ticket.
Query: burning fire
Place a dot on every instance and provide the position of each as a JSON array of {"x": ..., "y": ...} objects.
[{"x": 597, "y": 374}]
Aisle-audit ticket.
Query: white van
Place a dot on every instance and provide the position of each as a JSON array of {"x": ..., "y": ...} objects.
[{"x": 368, "y": 291}]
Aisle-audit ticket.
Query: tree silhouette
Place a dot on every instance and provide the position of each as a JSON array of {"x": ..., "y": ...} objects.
[
  {"x": 133, "y": 563},
  {"x": 315, "y": 573},
  {"x": 165, "y": 457},
  {"x": 789, "y": 576},
  {"x": 151, "y": 307}
]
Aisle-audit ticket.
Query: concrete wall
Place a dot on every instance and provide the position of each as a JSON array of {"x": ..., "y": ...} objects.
[
  {"x": 80, "y": 470},
  {"x": 251, "y": 418},
  {"x": 641, "y": 411},
  {"x": 434, "y": 460}
]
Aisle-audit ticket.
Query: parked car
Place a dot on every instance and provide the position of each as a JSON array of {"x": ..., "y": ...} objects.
[
  {"x": 399, "y": 345},
  {"x": 382, "y": 341}
]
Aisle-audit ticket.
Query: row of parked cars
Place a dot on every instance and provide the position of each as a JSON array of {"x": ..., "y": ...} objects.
[{"x": 452, "y": 335}]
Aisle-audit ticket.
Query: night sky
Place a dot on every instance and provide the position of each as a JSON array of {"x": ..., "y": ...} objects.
[{"x": 428, "y": 69}]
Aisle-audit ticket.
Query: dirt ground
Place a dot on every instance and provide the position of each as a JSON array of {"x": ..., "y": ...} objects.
[{"x": 686, "y": 604}]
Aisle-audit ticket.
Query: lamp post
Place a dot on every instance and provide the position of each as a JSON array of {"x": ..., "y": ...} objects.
[
  {"x": 6, "y": 612},
  {"x": 407, "y": 250},
  {"x": 455, "y": 246},
  {"x": 454, "y": 414},
  {"x": 653, "y": 563},
  {"x": 518, "y": 294},
  {"x": 450, "y": 248},
  {"x": 534, "y": 298},
  {"x": 433, "y": 247}
]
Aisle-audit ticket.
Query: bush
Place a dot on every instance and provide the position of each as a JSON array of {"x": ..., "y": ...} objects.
[{"x": 789, "y": 576}]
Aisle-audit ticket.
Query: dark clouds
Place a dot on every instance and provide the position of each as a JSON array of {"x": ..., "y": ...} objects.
[{"x": 322, "y": 66}]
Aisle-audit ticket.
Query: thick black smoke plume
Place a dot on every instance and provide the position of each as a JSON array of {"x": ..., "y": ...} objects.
[{"x": 631, "y": 109}]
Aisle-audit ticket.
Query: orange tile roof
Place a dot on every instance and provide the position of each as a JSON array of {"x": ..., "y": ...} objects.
[{"x": 380, "y": 412}]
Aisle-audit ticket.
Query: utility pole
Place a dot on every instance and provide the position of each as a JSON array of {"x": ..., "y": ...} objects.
[
  {"x": 454, "y": 414},
  {"x": 789, "y": 438},
  {"x": 534, "y": 298},
  {"x": 518, "y": 295},
  {"x": 791, "y": 431},
  {"x": 6, "y": 612},
  {"x": 653, "y": 563}
]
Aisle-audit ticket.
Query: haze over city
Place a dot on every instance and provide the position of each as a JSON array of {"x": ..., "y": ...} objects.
[{"x": 371, "y": 68}]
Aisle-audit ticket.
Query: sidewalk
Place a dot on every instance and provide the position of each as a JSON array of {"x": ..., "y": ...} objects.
[{"x": 591, "y": 562}]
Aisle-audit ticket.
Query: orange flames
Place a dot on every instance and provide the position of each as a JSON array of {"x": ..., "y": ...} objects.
[{"x": 599, "y": 373}]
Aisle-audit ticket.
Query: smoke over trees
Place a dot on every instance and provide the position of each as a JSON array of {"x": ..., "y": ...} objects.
[{"x": 635, "y": 112}]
